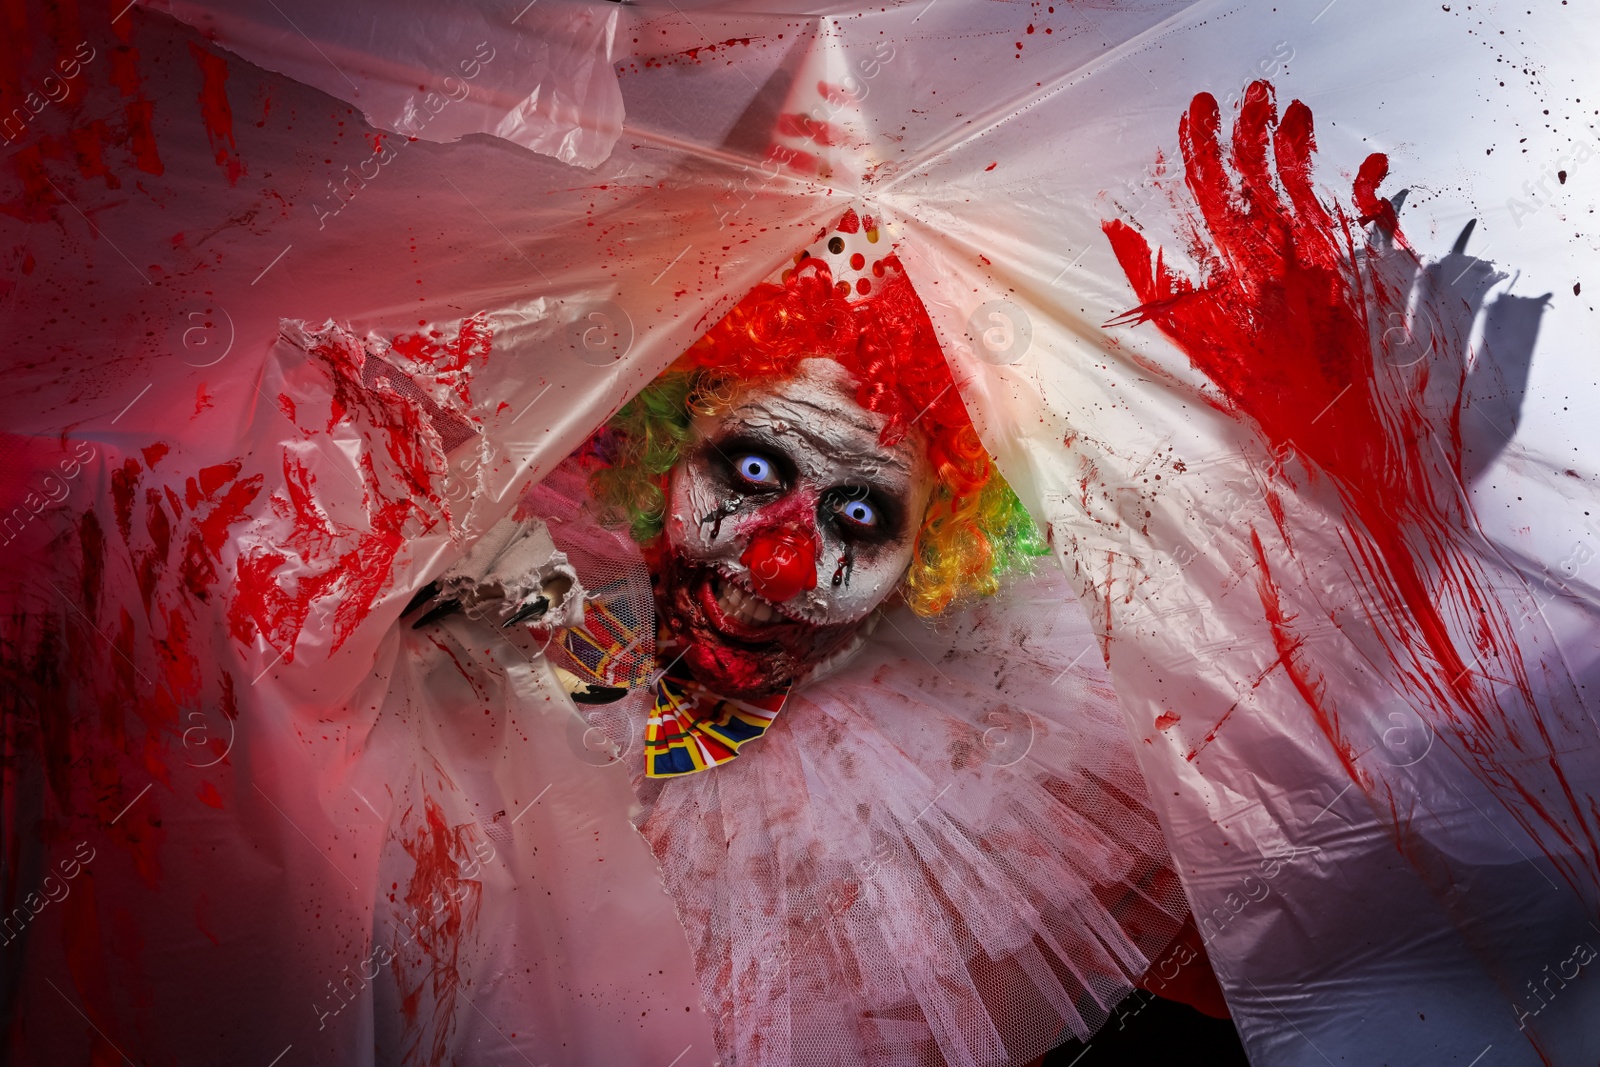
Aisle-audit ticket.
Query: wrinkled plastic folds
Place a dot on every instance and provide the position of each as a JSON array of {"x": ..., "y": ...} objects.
[
  {"x": 541, "y": 79},
  {"x": 299, "y": 309}
]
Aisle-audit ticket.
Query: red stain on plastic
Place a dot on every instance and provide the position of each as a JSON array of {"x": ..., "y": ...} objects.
[
  {"x": 443, "y": 911},
  {"x": 87, "y": 144},
  {"x": 139, "y": 112},
  {"x": 1288, "y": 646},
  {"x": 402, "y": 406},
  {"x": 209, "y": 532},
  {"x": 215, "y": 112},
  {"x": 1282, "y": 323}
]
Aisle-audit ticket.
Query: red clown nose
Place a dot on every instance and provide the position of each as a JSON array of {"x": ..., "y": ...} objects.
[{"x": 782, "y": 565}]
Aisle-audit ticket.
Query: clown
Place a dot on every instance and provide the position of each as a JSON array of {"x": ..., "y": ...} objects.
[
  {"x": 803, "y": 465},
  {"x": 792, "y": 475}
]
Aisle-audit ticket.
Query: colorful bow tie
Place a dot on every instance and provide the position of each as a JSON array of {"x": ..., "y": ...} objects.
[
  {"x": 690, "y": 728},
  {"x": 693, "y": 729}
]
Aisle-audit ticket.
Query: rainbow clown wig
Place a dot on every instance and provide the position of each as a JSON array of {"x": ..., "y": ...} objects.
[{"x": 975, "y": 529}]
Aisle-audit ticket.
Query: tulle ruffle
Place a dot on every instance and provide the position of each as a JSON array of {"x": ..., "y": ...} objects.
[{"x": 940, "y": 853}]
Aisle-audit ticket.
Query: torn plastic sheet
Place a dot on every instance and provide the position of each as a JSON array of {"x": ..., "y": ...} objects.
[{"x": 1337, "y": 769}]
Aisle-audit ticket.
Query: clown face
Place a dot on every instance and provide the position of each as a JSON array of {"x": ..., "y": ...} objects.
[{"x": 788, "y": 523}]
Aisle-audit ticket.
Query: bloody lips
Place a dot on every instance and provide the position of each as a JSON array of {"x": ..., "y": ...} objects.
[{"x": 740, "y": 643}]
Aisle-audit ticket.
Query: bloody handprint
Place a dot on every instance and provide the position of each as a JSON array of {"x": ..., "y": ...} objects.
[
  {"x": 1302, "y": 319},
  {"x": 1287, "y": 326},
  {"x": 1280, "y": 322}
]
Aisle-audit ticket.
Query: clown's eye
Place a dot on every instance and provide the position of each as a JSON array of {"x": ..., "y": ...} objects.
[
  {"x": 858, "y": 512},
  {"x": 757, "y": 470}
]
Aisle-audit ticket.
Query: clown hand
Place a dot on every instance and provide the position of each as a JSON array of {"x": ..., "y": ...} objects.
[{"x": 513, "y": 575}]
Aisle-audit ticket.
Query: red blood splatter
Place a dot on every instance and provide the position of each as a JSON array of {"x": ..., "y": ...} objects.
[
  {"x": 450, "y": 363},
  {"x": 461, "y": 668},
  {"x": 154, "y": 453},
  {"x": 427, "y": 971},
  {"x": 61, "y": 24},
  {"x": 139, "y": 111},
  {"x": 797, "y": 125},
  {"x": 142, "y": 138},
  {"x": 1281, "y": 323},
  {"x": 208, "y": 533},
  {"x": 125, "y": 70},
  {"x": 230, "y": 703},
  {"x": 796, "y": 160},
  {"x": 148, "y": 563},
  {"x": 215, "y": 112},
  {"x": 1288, "y": 646},
  {"x": 260, "y": 602},
  {"x": 180, "y": 667},
  {"x": 1222, "y": 720},
  {"x": 84, "y": 687},
  {"x": 215, "y": 477},
  {"x": 1167, "y": 719},
  {"x": 1373, "y": 207},
  {"x": 208, "y": 795},
  {"x": 399, "y": 416},
  {"x": 849, "y": 222}
]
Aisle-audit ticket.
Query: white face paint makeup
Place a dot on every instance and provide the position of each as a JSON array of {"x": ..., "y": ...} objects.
[{"x": 799, "y": 458}]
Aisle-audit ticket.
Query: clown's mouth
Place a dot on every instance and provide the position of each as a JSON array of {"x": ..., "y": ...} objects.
[
  {"x": 738, "y": 614},
  {"x": 740, "y": 644}
]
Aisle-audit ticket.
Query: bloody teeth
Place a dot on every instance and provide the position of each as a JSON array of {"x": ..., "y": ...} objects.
[{"x": 740, "y": 605}]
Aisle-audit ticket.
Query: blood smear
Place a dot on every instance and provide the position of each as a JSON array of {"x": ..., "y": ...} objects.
[{"x": 1281, "y": 324}]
